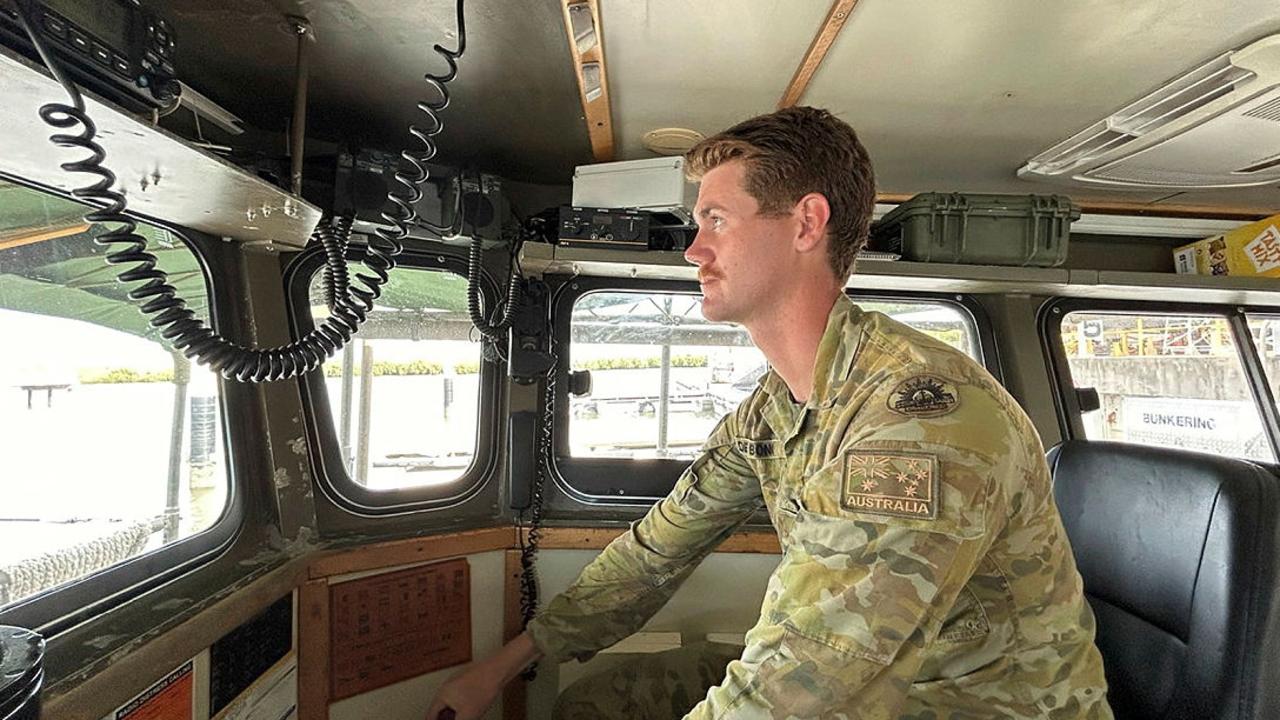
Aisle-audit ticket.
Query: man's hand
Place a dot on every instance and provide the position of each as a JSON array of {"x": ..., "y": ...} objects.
[
  {"x": 468, "y": 694},
  {"x": 471, "y": 692}
]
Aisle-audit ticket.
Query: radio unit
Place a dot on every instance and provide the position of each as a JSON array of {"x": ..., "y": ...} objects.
[
  {"x": 117, "y": 48},
  {"x": 604, "y": 228},
  {"x": 620, "y": 229}
]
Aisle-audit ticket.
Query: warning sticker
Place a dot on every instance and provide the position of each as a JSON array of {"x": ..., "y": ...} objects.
[{"x": 168, "y": 699}]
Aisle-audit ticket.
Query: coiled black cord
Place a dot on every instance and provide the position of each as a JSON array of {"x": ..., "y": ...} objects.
[
  {"x": 336, "y": 279},
  {"x": 492, "y": 331},
  {"x": 529, "y": 546},
  {"x": 168, "y": 313}
]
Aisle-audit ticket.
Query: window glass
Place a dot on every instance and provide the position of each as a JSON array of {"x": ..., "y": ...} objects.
[
  {"x": 1168, "y": 380},
  {"x": 1266, "y": 337},
  {"x": 662, "y": 376},
  {"x": 112, "y": 444},
  {"x": 405, "y": 393}
]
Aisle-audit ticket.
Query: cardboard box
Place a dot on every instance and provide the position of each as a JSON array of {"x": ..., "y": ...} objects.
[{"x": 1252, "y": 250}]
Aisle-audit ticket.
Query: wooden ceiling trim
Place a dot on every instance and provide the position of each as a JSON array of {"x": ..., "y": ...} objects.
[
  {"x": 596, "y": 110},
  {"x": 831, "y": 27},
  {"x": 34, "y": 236}
]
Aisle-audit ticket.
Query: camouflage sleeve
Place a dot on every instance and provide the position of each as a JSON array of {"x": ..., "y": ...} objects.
[
  {"x": 881, "y": 542},
  {"x": 639, "y": 571}
]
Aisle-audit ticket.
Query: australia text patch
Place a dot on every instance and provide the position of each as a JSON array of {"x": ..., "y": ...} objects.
[
  {"x": 923, "y": 396},
  {"x": 899, "y": 483}
]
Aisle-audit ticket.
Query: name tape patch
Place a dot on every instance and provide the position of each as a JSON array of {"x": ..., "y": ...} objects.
[
  {"x": 900, "y": 483},
  {"x": 758, "y": 448}
]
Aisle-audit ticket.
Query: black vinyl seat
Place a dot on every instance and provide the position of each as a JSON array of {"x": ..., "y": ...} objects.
[{"x": 1180, "y": 555}]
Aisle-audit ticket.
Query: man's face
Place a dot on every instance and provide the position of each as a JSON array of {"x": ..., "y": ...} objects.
[{"x": 743, "y": 257}]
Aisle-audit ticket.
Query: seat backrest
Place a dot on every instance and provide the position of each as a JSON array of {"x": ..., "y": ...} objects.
[{"x": 1180, "y": 556}]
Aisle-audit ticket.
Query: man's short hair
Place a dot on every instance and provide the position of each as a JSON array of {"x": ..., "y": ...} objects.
[{"x": 793, "y": 152}]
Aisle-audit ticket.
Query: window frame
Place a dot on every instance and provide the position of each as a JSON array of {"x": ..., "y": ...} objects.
[
  {"x": 63, "y": 607},
  {"x": 583, "y": 478},
  {"x": 1067, "y": 406},
  {"x": 327, "y": 464}
]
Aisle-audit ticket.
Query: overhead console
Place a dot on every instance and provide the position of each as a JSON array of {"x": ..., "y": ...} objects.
[{"x": 1215, "y": 126}]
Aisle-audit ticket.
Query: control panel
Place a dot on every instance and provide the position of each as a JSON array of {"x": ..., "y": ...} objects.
[
  {"x": 120, "y": 49},
  {"x": 600, "y": 227}
]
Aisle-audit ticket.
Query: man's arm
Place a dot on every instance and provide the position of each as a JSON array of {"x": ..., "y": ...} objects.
[
  {"x": 639, "y": 571},
  {"x": 628, "y": 582},
  {"x": 470, "y": 693}
]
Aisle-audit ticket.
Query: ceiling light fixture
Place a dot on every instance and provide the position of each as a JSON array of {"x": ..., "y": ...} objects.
[{"x": 671, "y": 140}]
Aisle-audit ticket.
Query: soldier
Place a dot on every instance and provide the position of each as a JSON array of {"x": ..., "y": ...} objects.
[{"x": 925, "y": 570}]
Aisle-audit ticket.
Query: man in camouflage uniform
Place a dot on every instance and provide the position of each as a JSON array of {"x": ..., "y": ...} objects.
[{"x": 925, "y": 572}]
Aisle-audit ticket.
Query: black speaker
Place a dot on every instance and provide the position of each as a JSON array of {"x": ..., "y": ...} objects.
[
  {"x": 364, "y": 177},
  {"x": 484, "y": 207}
]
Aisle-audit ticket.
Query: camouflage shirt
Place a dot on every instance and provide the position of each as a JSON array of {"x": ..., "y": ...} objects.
[{"x": 925, "y": 570}]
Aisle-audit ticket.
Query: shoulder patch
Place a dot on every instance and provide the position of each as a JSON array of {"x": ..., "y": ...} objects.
[
  {"x": 923, "y": 396},
  {"x": 900, "y": 483}
]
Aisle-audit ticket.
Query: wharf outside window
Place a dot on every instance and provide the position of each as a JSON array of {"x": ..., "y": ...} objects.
[
  {"x": 112, "y": 443},
  {"x": 1166, "y": 379},
  {"x": 405, "y": 392},
  {"x": 662, "y": 376}
]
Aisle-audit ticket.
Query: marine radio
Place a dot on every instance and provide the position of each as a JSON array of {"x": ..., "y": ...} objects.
[{"x": 120, "y": 49}]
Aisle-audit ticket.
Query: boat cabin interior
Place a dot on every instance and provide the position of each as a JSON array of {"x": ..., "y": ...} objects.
[{"x": 338, "y": 337}]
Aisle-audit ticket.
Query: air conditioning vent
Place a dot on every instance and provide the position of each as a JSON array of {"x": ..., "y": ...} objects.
[
  {"x": 1200, "y": 130},
  {"x": 1266, "y": 111},
  {"x": 1086, "y": 145},
  {"x": 1180, "y": 98},
  {"x": 1261, "y": 165}
]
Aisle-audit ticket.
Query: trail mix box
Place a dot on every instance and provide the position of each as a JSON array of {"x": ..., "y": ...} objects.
[{"x": 1250, "y": 250}]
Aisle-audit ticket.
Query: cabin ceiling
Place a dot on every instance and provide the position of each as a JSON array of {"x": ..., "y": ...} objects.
[{"x": 946, "y": 95}]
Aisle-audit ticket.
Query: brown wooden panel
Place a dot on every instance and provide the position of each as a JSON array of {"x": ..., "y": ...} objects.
[
  {"x": 407, "y": 552},
  {"x": 313, "y": 650},
  {"x": 750, "y": 541},
  {"x": 515, "y": 694},
  {"x": 597, "y": 111},
  {"x": 386, "y": 628}
]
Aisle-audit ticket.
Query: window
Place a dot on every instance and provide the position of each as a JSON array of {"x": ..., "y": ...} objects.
[
  {"x": 1167, "y": 379},
  {"x": 111, "y": 442},
  {"x": 1266, "y": 338},
  {"x": 405, "y": 393},
  {"x": 662, "y": 376}
]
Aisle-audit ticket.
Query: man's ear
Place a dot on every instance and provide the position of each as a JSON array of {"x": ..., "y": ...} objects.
[{"x": 814, "y": 213}]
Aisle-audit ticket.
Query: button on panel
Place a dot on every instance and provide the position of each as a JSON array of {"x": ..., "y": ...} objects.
[
  {"x": 55, "y": 27},
  {"x": 101, "y": 54},
  {"x": 79, "y": 41}
]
